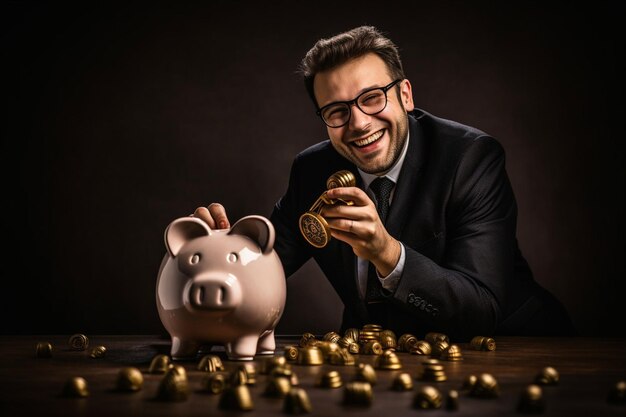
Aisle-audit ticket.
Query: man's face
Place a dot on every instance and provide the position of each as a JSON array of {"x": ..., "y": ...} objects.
[{"x": 372, "y": 142}]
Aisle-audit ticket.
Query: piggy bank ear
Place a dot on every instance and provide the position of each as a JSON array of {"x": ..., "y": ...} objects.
[
  {"x": 257, "y": 228},
  {"x": 182, "y": 230}
]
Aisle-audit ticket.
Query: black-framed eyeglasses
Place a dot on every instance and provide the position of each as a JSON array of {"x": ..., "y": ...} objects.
[{"x": 370, "y": 102}]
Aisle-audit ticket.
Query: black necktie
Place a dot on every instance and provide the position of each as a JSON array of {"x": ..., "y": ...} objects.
[{"x": 381, "y": 187}]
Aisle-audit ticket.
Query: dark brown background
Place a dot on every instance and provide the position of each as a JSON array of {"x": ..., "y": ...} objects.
[{"x": 118, "y": 119}]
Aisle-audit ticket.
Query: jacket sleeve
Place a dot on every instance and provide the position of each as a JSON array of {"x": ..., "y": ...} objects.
[
  {"x": 464, "y": 292},
  {"x": 289, "y": 244}
]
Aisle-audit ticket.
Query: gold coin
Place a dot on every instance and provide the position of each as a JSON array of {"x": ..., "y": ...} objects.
[{"x": 315, "y": 229}]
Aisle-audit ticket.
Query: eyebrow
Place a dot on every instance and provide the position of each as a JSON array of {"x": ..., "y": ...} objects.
[{"x": 364, "y": 89}]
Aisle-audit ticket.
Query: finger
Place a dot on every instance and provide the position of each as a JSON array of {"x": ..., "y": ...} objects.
[
  {"x": 343, "y": 225},
  {"x": 203, "y": 214},
  {"x": 354, "y": 212},
  {"x": 348, "y": 238},
  {"x": 354, "y": 194},
  {"x": 358, "y": 237},
  {"x": 343, "y": 235},
  {"x": 218, "y": 212}
]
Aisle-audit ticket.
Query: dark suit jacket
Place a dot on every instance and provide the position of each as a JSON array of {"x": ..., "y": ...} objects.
[{"x": 455, "y": 212}]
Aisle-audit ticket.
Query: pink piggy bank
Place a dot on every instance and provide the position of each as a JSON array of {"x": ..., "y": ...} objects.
[{"x": 221, "y": 287}]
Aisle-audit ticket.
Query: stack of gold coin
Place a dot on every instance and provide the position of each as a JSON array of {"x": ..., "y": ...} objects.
[
  {"x": 421, "y": 347},
  {"x": 129, "y": 379},
  {"x": 330, "y": 379},
  {"x": 452, "y": 353},
  {"x": 358, "y": 393},
  {"x": 531, "y": 400},
  {"x": 297, "y": 402},
  {"x": 159, "y": 364},
  {"x": 311, "y": 355},
  {"x": 547, "y": 376},
  {"x": 427, "y": 398},
  {"x": 78, "y": 342},
  {"x": 331, "y": 337},
  {"x": 439, "y": 347},
  {"x": 406, "y": 342},
  {"x": 432, "y": 371},
  {"x": 389, "y": 360},
  {"x": 366, "y": 373},
  {"x": 341, "y": 357},
  {"x": 368, "y": 333},
  {"x": 236, "y": 398},
  {"x": 174, "y": 385},
  {"x": 210, "y": 363},
  {"x": 483, "y": 343},
  {"x": 373, "y": 327},
  {"x": 402, "y": 382},
  {"x": 75, "y": 387},
  {"x": 43, "y": 350},
  {"x": 434, "y": 337},
  {"x": 486, "y": 386}
]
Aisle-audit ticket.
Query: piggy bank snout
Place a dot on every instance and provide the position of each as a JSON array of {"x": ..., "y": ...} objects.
[{"x": 214, "y": 293}]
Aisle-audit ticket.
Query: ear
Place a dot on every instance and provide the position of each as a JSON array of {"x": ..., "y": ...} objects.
[
  {"x": 257, "y": 228},
  {"x": 182, "y": 230},
  {"x": 406, "y": 93}
]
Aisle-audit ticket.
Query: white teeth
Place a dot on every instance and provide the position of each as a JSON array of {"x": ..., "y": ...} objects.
[{"x": 369, "y": 139}]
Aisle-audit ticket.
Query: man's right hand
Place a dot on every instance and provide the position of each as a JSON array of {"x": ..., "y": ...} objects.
[{"x": 214, "y": 215}]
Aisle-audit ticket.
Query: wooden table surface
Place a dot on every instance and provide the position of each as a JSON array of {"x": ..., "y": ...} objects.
[{"x": 588, "y": 369}]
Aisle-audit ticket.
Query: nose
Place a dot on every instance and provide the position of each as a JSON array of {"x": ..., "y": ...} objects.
[
  {"x": 215, "y": 293},
  {"x": 358, "y": 119}
]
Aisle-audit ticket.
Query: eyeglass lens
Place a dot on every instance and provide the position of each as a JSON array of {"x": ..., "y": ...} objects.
[{"x": 371, "y": 102}]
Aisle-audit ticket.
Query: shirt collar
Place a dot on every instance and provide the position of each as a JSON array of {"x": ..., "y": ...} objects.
[{"x": 393, "y": 173}]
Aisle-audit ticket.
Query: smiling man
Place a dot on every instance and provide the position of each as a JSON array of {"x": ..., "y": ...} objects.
[{"x": 428, "y": 242}]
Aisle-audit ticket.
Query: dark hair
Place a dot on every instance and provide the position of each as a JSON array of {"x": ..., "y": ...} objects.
[{"x": 332, "y": 52}]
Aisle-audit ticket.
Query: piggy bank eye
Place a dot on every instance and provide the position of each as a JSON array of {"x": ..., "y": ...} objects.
[
  {"x": 195, "y": 258},
  {"x": 232, "y": 257}
]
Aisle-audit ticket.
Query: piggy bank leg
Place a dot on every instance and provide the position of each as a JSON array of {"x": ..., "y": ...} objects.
[
  {"x": 267, "y": 344},
  {"x": 183, "y": 349},
  {"x": 242, "y": 349}
]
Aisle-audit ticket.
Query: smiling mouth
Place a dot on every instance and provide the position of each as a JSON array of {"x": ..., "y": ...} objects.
[{"x": 368, "y": 140}]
